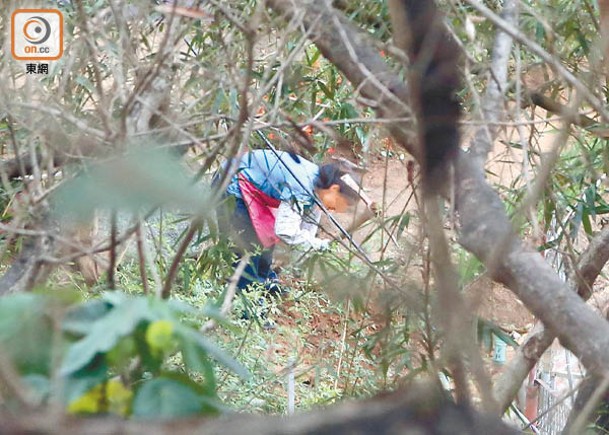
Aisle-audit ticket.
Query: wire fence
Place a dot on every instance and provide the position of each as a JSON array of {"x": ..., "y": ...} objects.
[{"x": 553, "y": 409}]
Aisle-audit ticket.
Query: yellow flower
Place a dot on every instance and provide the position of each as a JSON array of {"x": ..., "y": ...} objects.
[{"x": 159, "y": 336}]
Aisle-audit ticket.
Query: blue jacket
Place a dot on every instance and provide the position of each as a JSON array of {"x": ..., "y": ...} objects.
[{"x": 283, "y": 178}]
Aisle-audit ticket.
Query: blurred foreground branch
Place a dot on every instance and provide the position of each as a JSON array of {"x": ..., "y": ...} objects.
[{"x": 416, "y": 410}]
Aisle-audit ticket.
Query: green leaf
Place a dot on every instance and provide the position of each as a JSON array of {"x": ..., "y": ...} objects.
[
  {"x": 85, "y": 83},
  {"x": 602, "y": 209},
  {"x": 586, "y": 222},
  {"x": 165, "y": 398},
  {"x": 120, "y": 355},
  {"x": 348, "y": 111},
  {"x": 329, "y": 93},
  {"x": 177, "y": 306},
  {"x": 361, "y": 134},
  {"x": 212, "y": 310},
  {"x": 196, "y": 359},
  {"x": 122, "y": 320},
  {"x": 313, "y": 58},
  {"x": 196, "y": 338},
  {"x": 26, "y": 332},
  {"x": 114, "y": 298},
  {"x": 130, "y": 182},
  {"x": 495, "y": 329},
  {"x": 403, "y": 224},
  {"x": 80, "y": 319}
]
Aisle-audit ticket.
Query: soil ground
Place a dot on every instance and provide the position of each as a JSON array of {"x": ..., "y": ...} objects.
[{"x": 386, "y": 182}]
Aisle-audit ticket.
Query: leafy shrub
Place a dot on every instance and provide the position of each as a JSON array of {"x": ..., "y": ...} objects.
[{"x": 112, "y": 354}]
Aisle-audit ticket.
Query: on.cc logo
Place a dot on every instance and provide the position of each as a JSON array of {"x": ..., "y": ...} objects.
[
  {"x": 37, "y": 30},
  {"x": 37, "y": 34}
]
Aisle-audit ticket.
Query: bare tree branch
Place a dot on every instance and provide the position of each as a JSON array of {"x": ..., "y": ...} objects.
[
  {"x": 524, "y": 271},
  {"x": 486, "y": 230},
  {"x": 492, "y": 104},
  {"x": 539, "y": 339},
  {"x": 555, "y": 107}
]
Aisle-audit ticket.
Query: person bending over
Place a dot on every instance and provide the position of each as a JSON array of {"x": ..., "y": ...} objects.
[{"x": 271, "y": 198}]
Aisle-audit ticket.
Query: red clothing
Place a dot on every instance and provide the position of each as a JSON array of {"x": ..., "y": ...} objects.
[{"x": 261, "y": 208}]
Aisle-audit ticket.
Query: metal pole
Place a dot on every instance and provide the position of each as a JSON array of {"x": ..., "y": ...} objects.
[
  {"x": 316, "y": 200},
  {"x": 414, "y": 303},
  {"x": 291, "y": 386}
]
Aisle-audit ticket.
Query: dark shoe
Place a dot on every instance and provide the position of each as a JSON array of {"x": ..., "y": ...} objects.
[
  {"x": 269, "y": 325},
  {"x": 275, "y": 289}
]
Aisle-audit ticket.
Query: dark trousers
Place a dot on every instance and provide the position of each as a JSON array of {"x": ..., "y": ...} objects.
[{"x": 234, "y": 221}]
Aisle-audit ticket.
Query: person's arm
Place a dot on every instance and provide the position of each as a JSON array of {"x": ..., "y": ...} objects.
[{"x": 296, "y": 229}]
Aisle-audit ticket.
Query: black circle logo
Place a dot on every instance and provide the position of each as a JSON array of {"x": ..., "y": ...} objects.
[{"x": 36, "y": 30}]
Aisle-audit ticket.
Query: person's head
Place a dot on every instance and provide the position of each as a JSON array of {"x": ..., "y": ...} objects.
[{"x": 333, "y": 192}]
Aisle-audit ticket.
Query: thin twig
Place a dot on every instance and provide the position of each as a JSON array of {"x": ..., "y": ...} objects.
[
  {"x": 95, "y": 64},
  {"x": 177, "y": 259},
  {"x": 141, "y": 256},
  {"x": 10, "y": 378},
  {"x": 113, "y": 244},
  {"x": 544, "y": 55},
  {"x": 231, "y": 291}
]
